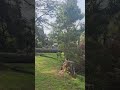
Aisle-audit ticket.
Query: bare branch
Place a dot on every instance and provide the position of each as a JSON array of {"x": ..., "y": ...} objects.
[{"x": 29, "y": 3}]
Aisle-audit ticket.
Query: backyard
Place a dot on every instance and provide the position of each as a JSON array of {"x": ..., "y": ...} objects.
[{"x": 48, "y": 78}]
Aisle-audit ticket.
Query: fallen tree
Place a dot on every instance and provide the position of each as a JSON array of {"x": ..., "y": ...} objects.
[
  {"x": 68, "y": 66},
  {"x": 40, "y": 50}
]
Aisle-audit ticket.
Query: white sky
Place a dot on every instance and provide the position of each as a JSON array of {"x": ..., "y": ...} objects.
[{"x": 81, "y": 5}]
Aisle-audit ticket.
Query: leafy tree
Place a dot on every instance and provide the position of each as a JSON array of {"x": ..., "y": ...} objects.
[
  {"x": 66, "y": 29},
  {"x": 47, "y": 9},
  {"x": 39, "y": 37}
]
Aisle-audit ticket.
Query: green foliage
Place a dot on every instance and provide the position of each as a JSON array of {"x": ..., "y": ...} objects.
[
  {"x": 39, "y": 37},
  {"x": 68, "y": 13},
  {"x": 66, "y": 32}
]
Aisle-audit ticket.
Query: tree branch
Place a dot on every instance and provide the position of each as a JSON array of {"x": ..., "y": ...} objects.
[{"x": 29, "y": 3}]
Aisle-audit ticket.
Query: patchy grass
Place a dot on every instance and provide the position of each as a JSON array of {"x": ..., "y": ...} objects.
[
  {"x": 47, "y": 78},
  {"x": 12, "y": 80}
]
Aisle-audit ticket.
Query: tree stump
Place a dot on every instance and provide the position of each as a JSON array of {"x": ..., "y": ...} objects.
[{"x": 68, "y": 66}]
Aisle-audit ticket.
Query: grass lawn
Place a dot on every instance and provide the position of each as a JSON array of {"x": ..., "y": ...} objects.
[
  {"x": 12, "y": 80},
  {"x": 47, "y": 77}
]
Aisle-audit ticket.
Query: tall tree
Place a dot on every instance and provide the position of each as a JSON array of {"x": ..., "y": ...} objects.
[
  {"x": 67, "y": 29},
  {"x": 43, "y": 10},
  {"x": 65, "y": 22}
]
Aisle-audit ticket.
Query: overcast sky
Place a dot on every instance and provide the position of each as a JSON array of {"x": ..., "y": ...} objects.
[{"x": 81, "y": 4}]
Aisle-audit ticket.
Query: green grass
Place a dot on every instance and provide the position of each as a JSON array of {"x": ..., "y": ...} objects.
[
  {"x": 47, "y": 77},
  {"x": 12, "y": 80}
]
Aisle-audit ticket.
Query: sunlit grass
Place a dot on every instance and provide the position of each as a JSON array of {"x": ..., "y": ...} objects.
[{"x": 47, "y": 78}]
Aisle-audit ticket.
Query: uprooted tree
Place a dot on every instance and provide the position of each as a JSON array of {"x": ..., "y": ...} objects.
[
  {"x": 68, "y": 66},
  {"x": 68, "y": 32}
]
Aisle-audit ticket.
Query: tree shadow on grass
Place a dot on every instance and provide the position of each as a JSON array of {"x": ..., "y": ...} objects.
[
  {"x": 43, "y": 55},
  {"x": 22, "y": 71},
  {"x": 4, "y": 67}
]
